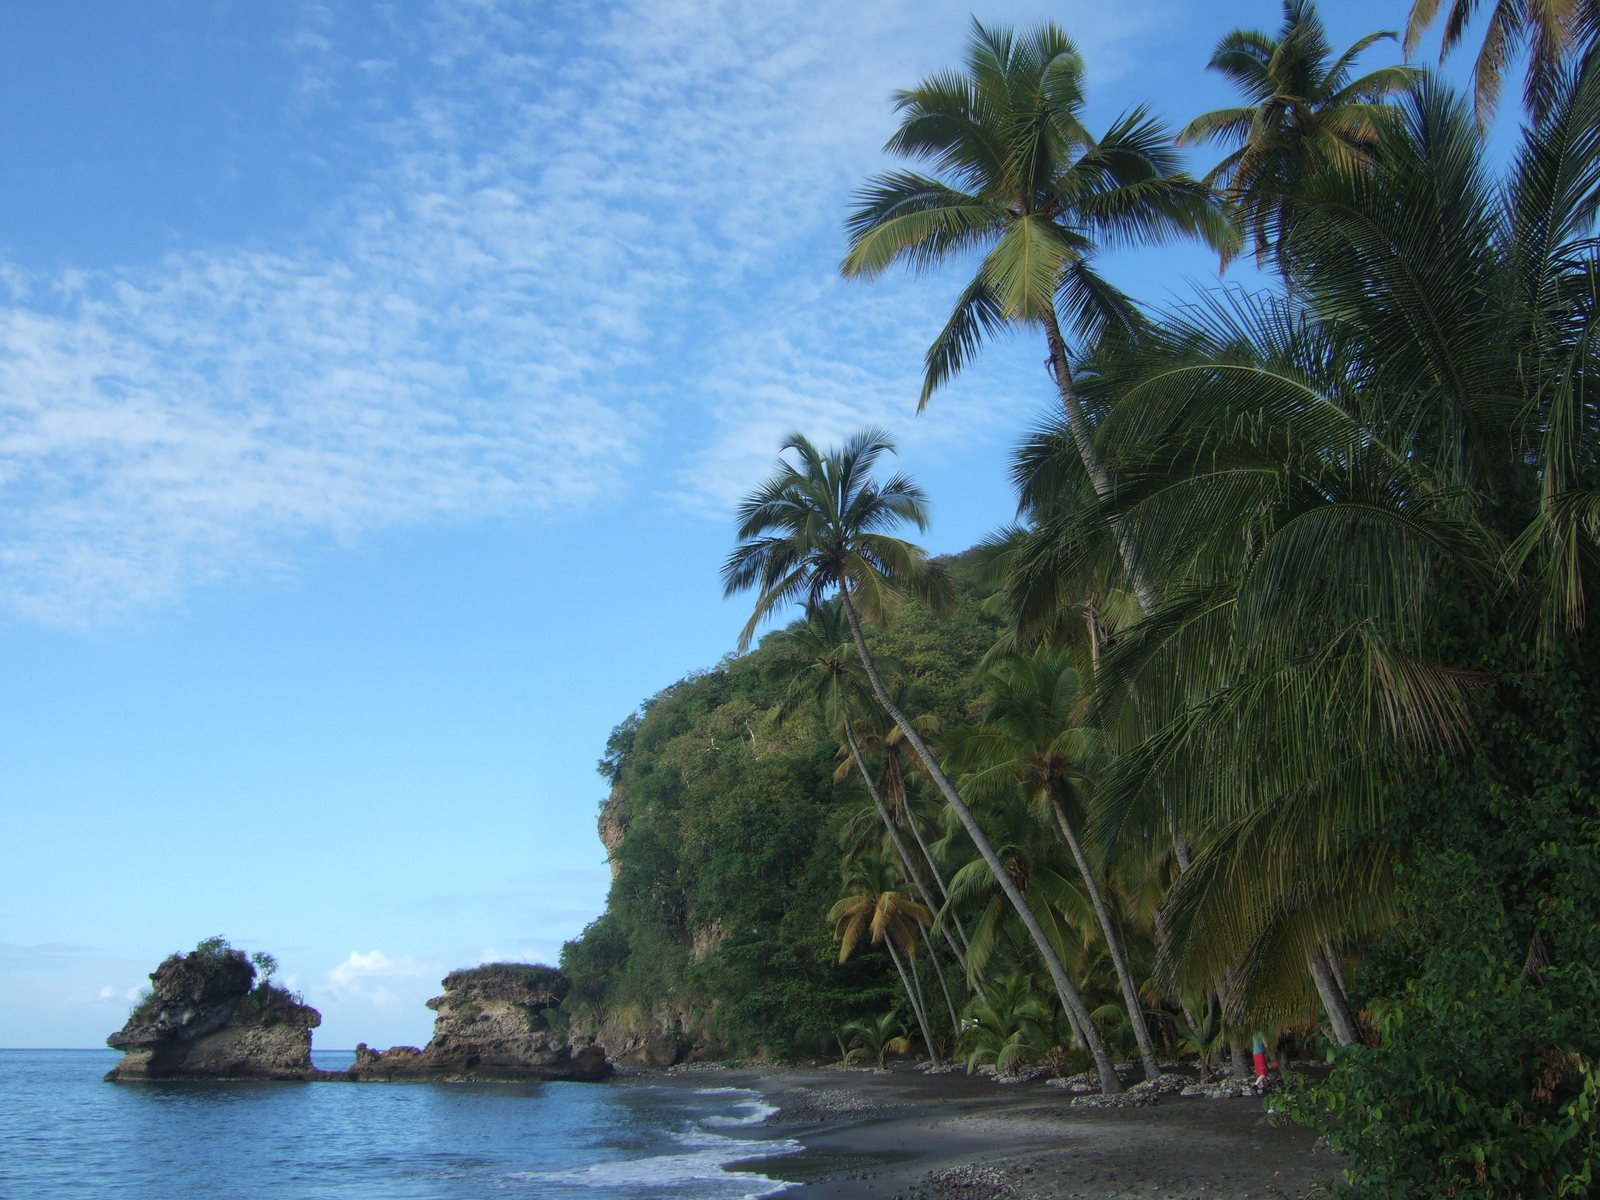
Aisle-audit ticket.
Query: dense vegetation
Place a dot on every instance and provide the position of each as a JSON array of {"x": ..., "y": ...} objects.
[
  {"x": 735, "y": 829},
  {"x": 214, "y": 969},
  {"x": 1275, "y": 715}
]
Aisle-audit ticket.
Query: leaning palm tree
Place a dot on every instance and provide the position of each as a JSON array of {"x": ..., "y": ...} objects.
[
  {"x": 876, "y": 906},
  {"x": 817, "y": 529},
  {"x": 1304, "y": 115},
  {"x": 821, "y": 673},
  {"x": 1021, "y": 180},
  {"x": 1555, "y": 30},
  {"x": 1032, "y": 739},
  {"x": 1040, "y": 867},
  {"x": 882, "y": 740}
]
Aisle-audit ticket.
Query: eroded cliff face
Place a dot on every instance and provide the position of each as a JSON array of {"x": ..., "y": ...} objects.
[
  {"x": 206, "y": 1018},
  {"x": 613, "y": 828},
  {"x": 492, "y": 1023},
  {"x": 656, "y": 1039}
]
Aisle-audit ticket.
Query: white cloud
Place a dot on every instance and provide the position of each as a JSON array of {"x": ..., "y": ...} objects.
[
  {"x": 360, "y": 966},
  {"x": 108, "y": 993},
  {"x": 565, "y": 252},
  {"x": 373, "y": 979}
]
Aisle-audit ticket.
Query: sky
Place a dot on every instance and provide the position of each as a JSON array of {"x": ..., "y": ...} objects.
[{"x": 377, "y": 381}]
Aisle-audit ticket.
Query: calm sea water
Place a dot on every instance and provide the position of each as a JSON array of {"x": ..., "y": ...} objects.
[{"x": 66, "y": 1134}]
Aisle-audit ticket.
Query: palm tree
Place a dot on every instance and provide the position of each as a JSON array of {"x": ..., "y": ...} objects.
[
  {"x": 1006, "y": 1026},
  {"x": 875, "y": 1038},
  {"x": 1335, "y": 501},
  {"x": 1040, "y": 867},
  {"x": 876, "y": 906},
  {"x": 1032, "y": 739},
  {"x": 1554, "y": 29},
  {"x": 821, "y": 672},
  {"x": 816, "y": 530},
  {"x": 1304, "y": 115},
  {"x": 1020, "y": 178},
  {"x": 882, "y": 740}
]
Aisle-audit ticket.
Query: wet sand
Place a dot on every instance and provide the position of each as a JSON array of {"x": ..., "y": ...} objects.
[{"x": 906, "y": 1135}]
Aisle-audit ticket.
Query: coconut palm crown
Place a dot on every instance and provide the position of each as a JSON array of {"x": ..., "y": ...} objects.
[
  {"x": 1020, "y": 179},
  {"x": 1554, "y": 31},
  {"x": 819, "y": 527},
  {"x": 1304, "y": 115}
]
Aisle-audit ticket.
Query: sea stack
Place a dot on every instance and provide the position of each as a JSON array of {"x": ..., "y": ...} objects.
[
  {"x": 492, "y": 1023},
  {"x": 206, "y": 1017}
]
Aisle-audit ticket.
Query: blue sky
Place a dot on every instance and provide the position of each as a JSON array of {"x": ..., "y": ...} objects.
[{"x": 376, "y": 382}]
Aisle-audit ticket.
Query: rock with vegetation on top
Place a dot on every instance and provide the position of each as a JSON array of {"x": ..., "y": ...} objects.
[
  {"x": 208, "y": 1017},
  {"x": 492, "y": 1023}
]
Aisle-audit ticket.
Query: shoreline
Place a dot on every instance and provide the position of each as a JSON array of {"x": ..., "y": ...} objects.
[{"x": 909, "y": 1135}]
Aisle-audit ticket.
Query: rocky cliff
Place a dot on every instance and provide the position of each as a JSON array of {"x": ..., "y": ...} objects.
[
  {"x": 492, "y": 1023},
  {"x": 206, "y": 1017},
  {"x": 613, "y": 827}
]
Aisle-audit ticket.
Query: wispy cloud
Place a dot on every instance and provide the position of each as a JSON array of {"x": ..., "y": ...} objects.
[{"x": 561, "y": 251}]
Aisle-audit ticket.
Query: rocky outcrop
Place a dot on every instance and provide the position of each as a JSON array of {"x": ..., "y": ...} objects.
[
  {"x": 654, "y": 1050},
  {"x": 665, "y": 1034},
  {"x": 613, "y": 826},
  {"x": 207, "y": 1018},
  {"x": 492, "y": 1023}
]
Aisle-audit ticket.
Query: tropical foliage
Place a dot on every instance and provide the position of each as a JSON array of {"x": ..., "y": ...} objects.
[
  {"x": 1306, "y": 115},
  {"x": 1553, "y": 31},
  {"x": 875, "y": 1038},
  {"x": 1276, "y": 712}
]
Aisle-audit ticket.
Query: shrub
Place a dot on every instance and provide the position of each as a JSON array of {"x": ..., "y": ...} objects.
[{"x": 1484, "y": 1079}]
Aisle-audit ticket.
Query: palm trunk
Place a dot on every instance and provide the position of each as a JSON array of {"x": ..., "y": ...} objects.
[
  {"x": 1130, "y": 993},
  {"x": 1339, "y": 1018},
  {"x": 913, "y": 996},
  {"x": 1180, "y": 851},
  {"x": 1083, "y": 439},
  {"x": 913, "y": 970},
  {"x": 1065, "y": 989},
  {"x": 894, "y": 835},
  {"x": 1241, "y": 1060},
  {"x": 944, "y": 986},
  {"x": 1334, "y": 965},
  {"x": 938, "y": 877},
  {"x": 974, "y": 977}
]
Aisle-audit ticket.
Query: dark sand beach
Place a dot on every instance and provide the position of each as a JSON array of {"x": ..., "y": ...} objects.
[{"x": 917, "y": 1136}]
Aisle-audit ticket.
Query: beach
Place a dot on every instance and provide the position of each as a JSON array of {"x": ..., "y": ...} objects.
[{"x": 911, "y": 1135}]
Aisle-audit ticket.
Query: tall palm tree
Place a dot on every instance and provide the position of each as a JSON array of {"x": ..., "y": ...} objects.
[
  {"x": 1303, "y": 115},
  {"x": 815, "y": 530},
  {"x": 1555, "y": 31},
  {"x": 1032, "y": 739},
  {"x": 876, "y": 906},
  {"x": 1021, "y": 180}
]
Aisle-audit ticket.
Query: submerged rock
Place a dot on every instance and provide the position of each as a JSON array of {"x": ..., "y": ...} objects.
[
  {"x": 492, "y": 1023},
  {"x": 207, "y": 1018}
]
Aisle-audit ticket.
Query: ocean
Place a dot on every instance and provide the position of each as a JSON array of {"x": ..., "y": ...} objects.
[{"x": 65, "y": 1134}]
